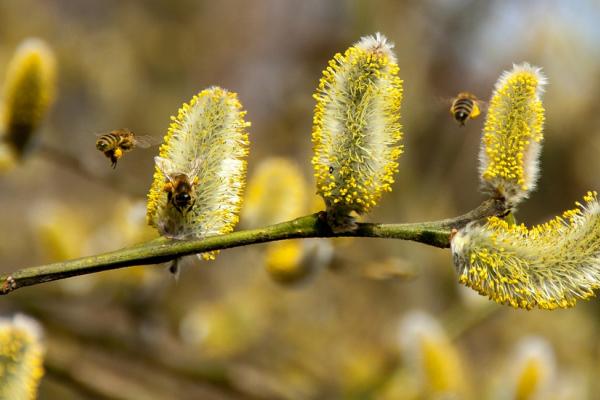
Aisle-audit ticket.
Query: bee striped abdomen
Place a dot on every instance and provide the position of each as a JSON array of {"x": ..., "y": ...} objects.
[
  {"x": 464, "y": 106},
  {"x": 461, "y": 109},
  {"x": 108, "y": 141}
]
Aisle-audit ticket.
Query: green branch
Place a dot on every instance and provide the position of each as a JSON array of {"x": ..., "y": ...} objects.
[{"x": 161, "y": 250}]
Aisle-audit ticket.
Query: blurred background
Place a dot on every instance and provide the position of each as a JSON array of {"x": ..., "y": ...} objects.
[{"x": 351, "y": 319}]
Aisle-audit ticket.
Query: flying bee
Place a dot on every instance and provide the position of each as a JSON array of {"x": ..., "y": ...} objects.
[
  {"x": 465, "y": 105},
  {"x": 119, "y": 141},
  {"x": 180, "y": 186}
]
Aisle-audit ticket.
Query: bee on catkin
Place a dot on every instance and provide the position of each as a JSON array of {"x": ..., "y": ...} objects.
[
  {"x": 512, "y": 135},
  {"x": 356, "y": 129},
  {"x": 465, "y": 106},
  {"x": 179, "y": 185},
  {"x": 119, "y": 141},
  {"x": 201, "y": 169}
]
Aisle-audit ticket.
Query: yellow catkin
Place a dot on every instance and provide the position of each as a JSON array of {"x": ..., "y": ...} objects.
[
  {"x": 21, "y": 358},
  {"x": 59, "y": 231},
  {"x": 125, "y": 226},
  {"x": 284, "y": 261},
  {"x": 29, "y": 90},
  {"x": 225, "y": 329},
  {"x": 431, "y": 355},
  {"x": 512, "y": 134},
  {"x": 547, "y": 266},
  {"x": 356, "y": 127},
  {"x": 208, "y": 142},
  {"x": 531, "y": 371},
  {"x": 276, "y": 193}
]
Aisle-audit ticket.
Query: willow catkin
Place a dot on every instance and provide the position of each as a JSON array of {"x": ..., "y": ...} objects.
[
  {"x": 432, "y": 357},
  {"x": 29, "y": 90},
  {"x": 532, "y": 371},
  {"x": 207, "y": 143},
  {"x": 547, "y": 266},
  {"x": 512, "y": 135},
  {"x": 356, "y": 128},
  {"x": 21, "y": 358},
  {"x": 276, "y": 192}
]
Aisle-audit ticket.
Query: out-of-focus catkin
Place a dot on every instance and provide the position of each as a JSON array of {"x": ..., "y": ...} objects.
[
  {"x": 225, "y": 329},
  {"x": 59, "y": 231},
  {"x": 547, "y": 266},
  {"x": 356, "y": 128},
  {"x": 433, "y": 357},
  {"x": 21, "y": 358},
  {"x": 29, "y": 90},
  {"x": 531, "y": 371},
  {"x": 512, "y": 135},
  {"x": 206, "y": 146},
  {"x": 276, "y": 193}
]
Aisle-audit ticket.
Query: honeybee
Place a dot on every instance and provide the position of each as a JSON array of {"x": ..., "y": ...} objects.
[
  {"x": 180, "y": 186},
  {"x": 465, "y": 105},
  {"x": 119, "y": 141}
]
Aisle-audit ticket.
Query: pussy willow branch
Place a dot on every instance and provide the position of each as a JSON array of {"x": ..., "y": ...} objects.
[{"x": 436, "y": 233}]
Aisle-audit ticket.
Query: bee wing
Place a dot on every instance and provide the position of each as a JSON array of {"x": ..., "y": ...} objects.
[
  {"x": 483, "y": 105},
  {"x": 165, "y": 166},
  {"x": 194, "y": 169},
  {"x": 445, "y": 102},
  {"x": 145, "y": 141}
]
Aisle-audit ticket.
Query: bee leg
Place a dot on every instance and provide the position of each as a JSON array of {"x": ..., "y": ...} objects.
[
  {"x": 174, "y": 268},
  {"x": 110, "y": 154},
  {"x": 185, "y": 210},
  {"x": 190, "y": 206},
  {"x": 115, "y": 156}
]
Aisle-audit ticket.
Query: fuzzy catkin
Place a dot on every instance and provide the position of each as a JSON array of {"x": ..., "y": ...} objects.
[
  {"x": 432, "y": 357},
  {"x": 21, "y": 358},
  {"x": 532, "y": 374},
  {"x": 29, "y": 90},
  {"x": 208, "y": 142},
  {"x": 547, "y": 266},
  {"x": 276, "y": 192},
  {"x": 356, "y": 127},
  {"x": 512, "y": 135}
]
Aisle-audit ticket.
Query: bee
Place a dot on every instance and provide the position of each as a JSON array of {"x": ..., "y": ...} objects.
[
  {"x": 119, "y": 141},
  {"x": 465, "y": 105},
  {"x": 180, "y": 186}
]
